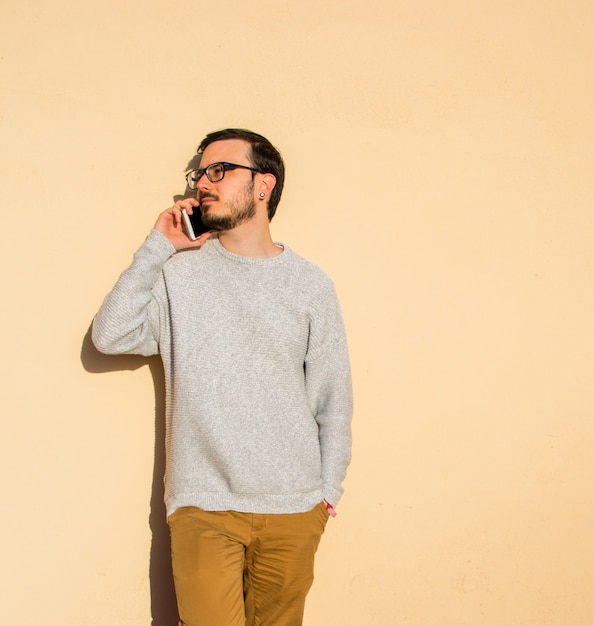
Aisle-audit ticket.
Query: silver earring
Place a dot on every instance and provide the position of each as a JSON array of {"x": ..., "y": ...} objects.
[{"x": 262, "y": 194}]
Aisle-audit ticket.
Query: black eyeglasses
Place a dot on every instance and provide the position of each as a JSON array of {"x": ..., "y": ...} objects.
[{"x": 214, "y": 172}]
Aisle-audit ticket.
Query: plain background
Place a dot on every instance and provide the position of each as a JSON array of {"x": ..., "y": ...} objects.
[{"x": 440, "y": 168}]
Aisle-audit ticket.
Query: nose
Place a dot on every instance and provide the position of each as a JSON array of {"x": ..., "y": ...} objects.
[{"x": 203, "y": 183}]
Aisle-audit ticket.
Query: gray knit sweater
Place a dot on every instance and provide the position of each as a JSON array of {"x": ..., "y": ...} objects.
[{"x": 258, "y": 386}]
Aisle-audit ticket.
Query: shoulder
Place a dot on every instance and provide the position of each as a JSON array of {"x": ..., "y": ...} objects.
[
  {"x": 308, "y": 275},
  {"x": 302, "y": 264},
  {"x": 191, "y": 257}
]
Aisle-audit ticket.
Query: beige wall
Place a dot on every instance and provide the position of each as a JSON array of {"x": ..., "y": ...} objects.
[{"x": 440, "y": 168}]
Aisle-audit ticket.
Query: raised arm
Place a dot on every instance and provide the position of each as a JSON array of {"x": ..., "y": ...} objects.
[{"x": 128, "y": 320}]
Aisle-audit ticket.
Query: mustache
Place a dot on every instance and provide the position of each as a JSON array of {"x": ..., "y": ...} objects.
[{"x": 206, "y": 194}]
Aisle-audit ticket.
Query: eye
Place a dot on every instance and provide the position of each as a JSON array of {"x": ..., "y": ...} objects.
[{"x": 216, "y": 171}]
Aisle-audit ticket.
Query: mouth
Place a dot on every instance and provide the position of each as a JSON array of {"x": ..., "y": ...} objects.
[{"x": 206, "y": 199}]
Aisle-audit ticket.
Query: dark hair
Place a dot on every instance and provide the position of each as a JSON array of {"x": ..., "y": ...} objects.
[{"x": 264, "y": 157}]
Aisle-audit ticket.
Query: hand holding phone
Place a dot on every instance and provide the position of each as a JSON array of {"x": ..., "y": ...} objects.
[{"x": 193, "y": 224}]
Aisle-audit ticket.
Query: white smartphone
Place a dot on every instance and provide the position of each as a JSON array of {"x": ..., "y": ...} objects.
[{"x": 193, "y": 224}]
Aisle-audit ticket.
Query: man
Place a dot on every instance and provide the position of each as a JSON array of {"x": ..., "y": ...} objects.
[{"x": 258, "y": 389}]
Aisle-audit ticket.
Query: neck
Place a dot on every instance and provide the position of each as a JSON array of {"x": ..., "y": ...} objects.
[{"x": 250, "y": 239}]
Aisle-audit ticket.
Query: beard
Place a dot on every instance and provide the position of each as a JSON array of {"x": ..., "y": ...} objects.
[{"x": 239, "y": 210}]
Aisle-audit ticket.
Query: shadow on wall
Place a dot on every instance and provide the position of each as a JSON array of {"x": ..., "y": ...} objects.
[{"x": 163, "y": 603}]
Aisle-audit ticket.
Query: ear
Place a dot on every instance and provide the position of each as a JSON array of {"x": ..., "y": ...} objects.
[{"x": 266, "y": 185}]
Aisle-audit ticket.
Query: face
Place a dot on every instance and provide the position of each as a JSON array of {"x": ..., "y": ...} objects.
[{"x": 229, "y": 202}]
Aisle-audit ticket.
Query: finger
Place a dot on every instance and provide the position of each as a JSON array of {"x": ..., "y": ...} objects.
[
  {"x": 203, "y": 237},
  {"x": 176, "y": 211},
  {"x": 192, "y": 204}
]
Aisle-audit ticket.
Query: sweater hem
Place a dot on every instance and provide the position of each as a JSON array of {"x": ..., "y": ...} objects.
[{"x": 247, "y": 503}]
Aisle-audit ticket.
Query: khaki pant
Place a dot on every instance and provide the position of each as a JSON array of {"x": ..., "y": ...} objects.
[{"x": 243, "y": 569}]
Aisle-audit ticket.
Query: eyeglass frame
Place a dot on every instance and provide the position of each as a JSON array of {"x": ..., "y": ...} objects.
[{"x": 194, "y": 176}]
